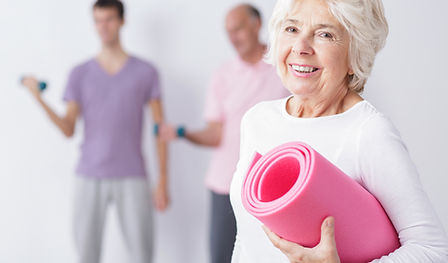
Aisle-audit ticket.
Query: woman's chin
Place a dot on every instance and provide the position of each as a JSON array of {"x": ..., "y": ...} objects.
[{"x": 300, "y": 90}]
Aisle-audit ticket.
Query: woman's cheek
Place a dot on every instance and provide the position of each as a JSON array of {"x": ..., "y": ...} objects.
[{"x": 283, "y": 51}]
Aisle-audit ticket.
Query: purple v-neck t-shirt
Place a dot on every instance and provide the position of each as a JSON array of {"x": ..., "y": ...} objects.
[{"x": 112, "y": 109}]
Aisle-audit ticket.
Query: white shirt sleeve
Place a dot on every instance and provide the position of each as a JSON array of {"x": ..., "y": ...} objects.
[{"x": 388, "y": 172}]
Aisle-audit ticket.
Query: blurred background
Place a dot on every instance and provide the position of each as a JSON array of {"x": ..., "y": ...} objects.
[{"x": 186, "y": 41}]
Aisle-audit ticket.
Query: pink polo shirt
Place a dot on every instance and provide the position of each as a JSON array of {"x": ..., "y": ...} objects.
[{"x": 235, "y": 88}]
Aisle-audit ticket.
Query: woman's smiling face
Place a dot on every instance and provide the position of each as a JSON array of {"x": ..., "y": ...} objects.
[{"x": 313, "y": 50}]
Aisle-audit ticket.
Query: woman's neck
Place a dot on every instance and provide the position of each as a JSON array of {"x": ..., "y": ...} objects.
[{"x": 318, "y": 106}]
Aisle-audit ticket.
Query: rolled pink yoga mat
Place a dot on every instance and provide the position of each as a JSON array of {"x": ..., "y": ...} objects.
[{"x": 292, "y": 189}]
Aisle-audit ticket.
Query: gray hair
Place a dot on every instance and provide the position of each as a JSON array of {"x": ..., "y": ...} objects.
[{"x": 365, "y": 22}]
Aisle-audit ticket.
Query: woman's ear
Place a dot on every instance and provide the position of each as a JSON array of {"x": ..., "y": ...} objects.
[{"x": 350, "y": 71}]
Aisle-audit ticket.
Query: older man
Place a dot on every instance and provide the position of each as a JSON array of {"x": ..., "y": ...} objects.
[{"x": 235, "y": 87}]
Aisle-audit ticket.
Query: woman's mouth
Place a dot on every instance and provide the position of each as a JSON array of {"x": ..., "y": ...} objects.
[{"x": 303, "y": 70}]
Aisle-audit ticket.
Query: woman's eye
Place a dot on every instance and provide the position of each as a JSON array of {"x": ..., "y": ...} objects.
[
  {"x": 291, "y": 29},
  {"x": 326, "y": 35}
]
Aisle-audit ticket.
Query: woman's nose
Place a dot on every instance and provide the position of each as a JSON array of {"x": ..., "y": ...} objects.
[{"x": 302, "y": 46}]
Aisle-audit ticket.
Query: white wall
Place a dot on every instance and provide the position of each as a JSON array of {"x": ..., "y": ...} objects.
[{"x": 186, "y": 40}]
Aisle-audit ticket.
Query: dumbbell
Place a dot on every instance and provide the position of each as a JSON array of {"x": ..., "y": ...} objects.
[
  {"x": 42, "y": 85},
  {"x": 180, "y": 131}
]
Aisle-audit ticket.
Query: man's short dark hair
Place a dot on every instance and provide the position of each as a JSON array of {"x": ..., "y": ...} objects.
[
  {"x": 253, "y": 11},
  {"x": 117, "y": 4}
]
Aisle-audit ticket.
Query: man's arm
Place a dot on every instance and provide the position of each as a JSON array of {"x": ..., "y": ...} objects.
[
  {"x": 65, "y": 123},
  {"x": 209, "y": 136},
  {"x": 161, "y": 199}
]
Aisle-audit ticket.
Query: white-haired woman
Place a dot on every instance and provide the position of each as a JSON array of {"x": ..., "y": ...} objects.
[{"x": 324, "y": 52}]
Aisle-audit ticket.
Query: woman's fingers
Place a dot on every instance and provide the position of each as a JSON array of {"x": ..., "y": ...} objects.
[
  {"x": 285, "y": 246},
  {"x": 327, "y": 245},
  {"x": 327, "y": 232},
  {"x": 325, "y": 251}
]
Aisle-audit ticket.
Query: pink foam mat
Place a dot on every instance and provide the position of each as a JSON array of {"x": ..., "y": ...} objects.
[{"x": 292, "y": 189}]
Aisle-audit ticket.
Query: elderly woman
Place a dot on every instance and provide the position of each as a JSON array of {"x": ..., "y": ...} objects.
[{"x": 324, "y": 52}]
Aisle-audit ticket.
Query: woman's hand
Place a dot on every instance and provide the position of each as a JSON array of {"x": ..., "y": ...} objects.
[{"x": 324, "y": 252}]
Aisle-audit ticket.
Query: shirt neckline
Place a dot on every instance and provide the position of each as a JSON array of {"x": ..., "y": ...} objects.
[
  {"x": 352, "y": 109},
  {"x": 119, "y": 72}
]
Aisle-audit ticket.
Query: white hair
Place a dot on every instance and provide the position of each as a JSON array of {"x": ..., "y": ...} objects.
[{"x": 364, "y": 21}]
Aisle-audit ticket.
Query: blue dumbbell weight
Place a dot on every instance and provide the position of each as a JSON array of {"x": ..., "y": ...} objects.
[{"x": 42, "y": 84}]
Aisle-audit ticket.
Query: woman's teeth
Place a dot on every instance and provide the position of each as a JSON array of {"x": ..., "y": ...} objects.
[{"x": 303, "y": 69}]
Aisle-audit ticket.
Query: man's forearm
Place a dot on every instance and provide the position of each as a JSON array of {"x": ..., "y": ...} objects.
[
  {"x": 57, "y": 120},
  {"x": 162, "y": 150},
  {"x": 208, "y": 137}
]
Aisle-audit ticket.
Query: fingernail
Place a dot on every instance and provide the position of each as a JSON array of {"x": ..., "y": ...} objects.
[{"x": 330, "y": 223}]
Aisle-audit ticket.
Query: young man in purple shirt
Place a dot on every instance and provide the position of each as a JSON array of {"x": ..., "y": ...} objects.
[{"x": 109, "y": 92}]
